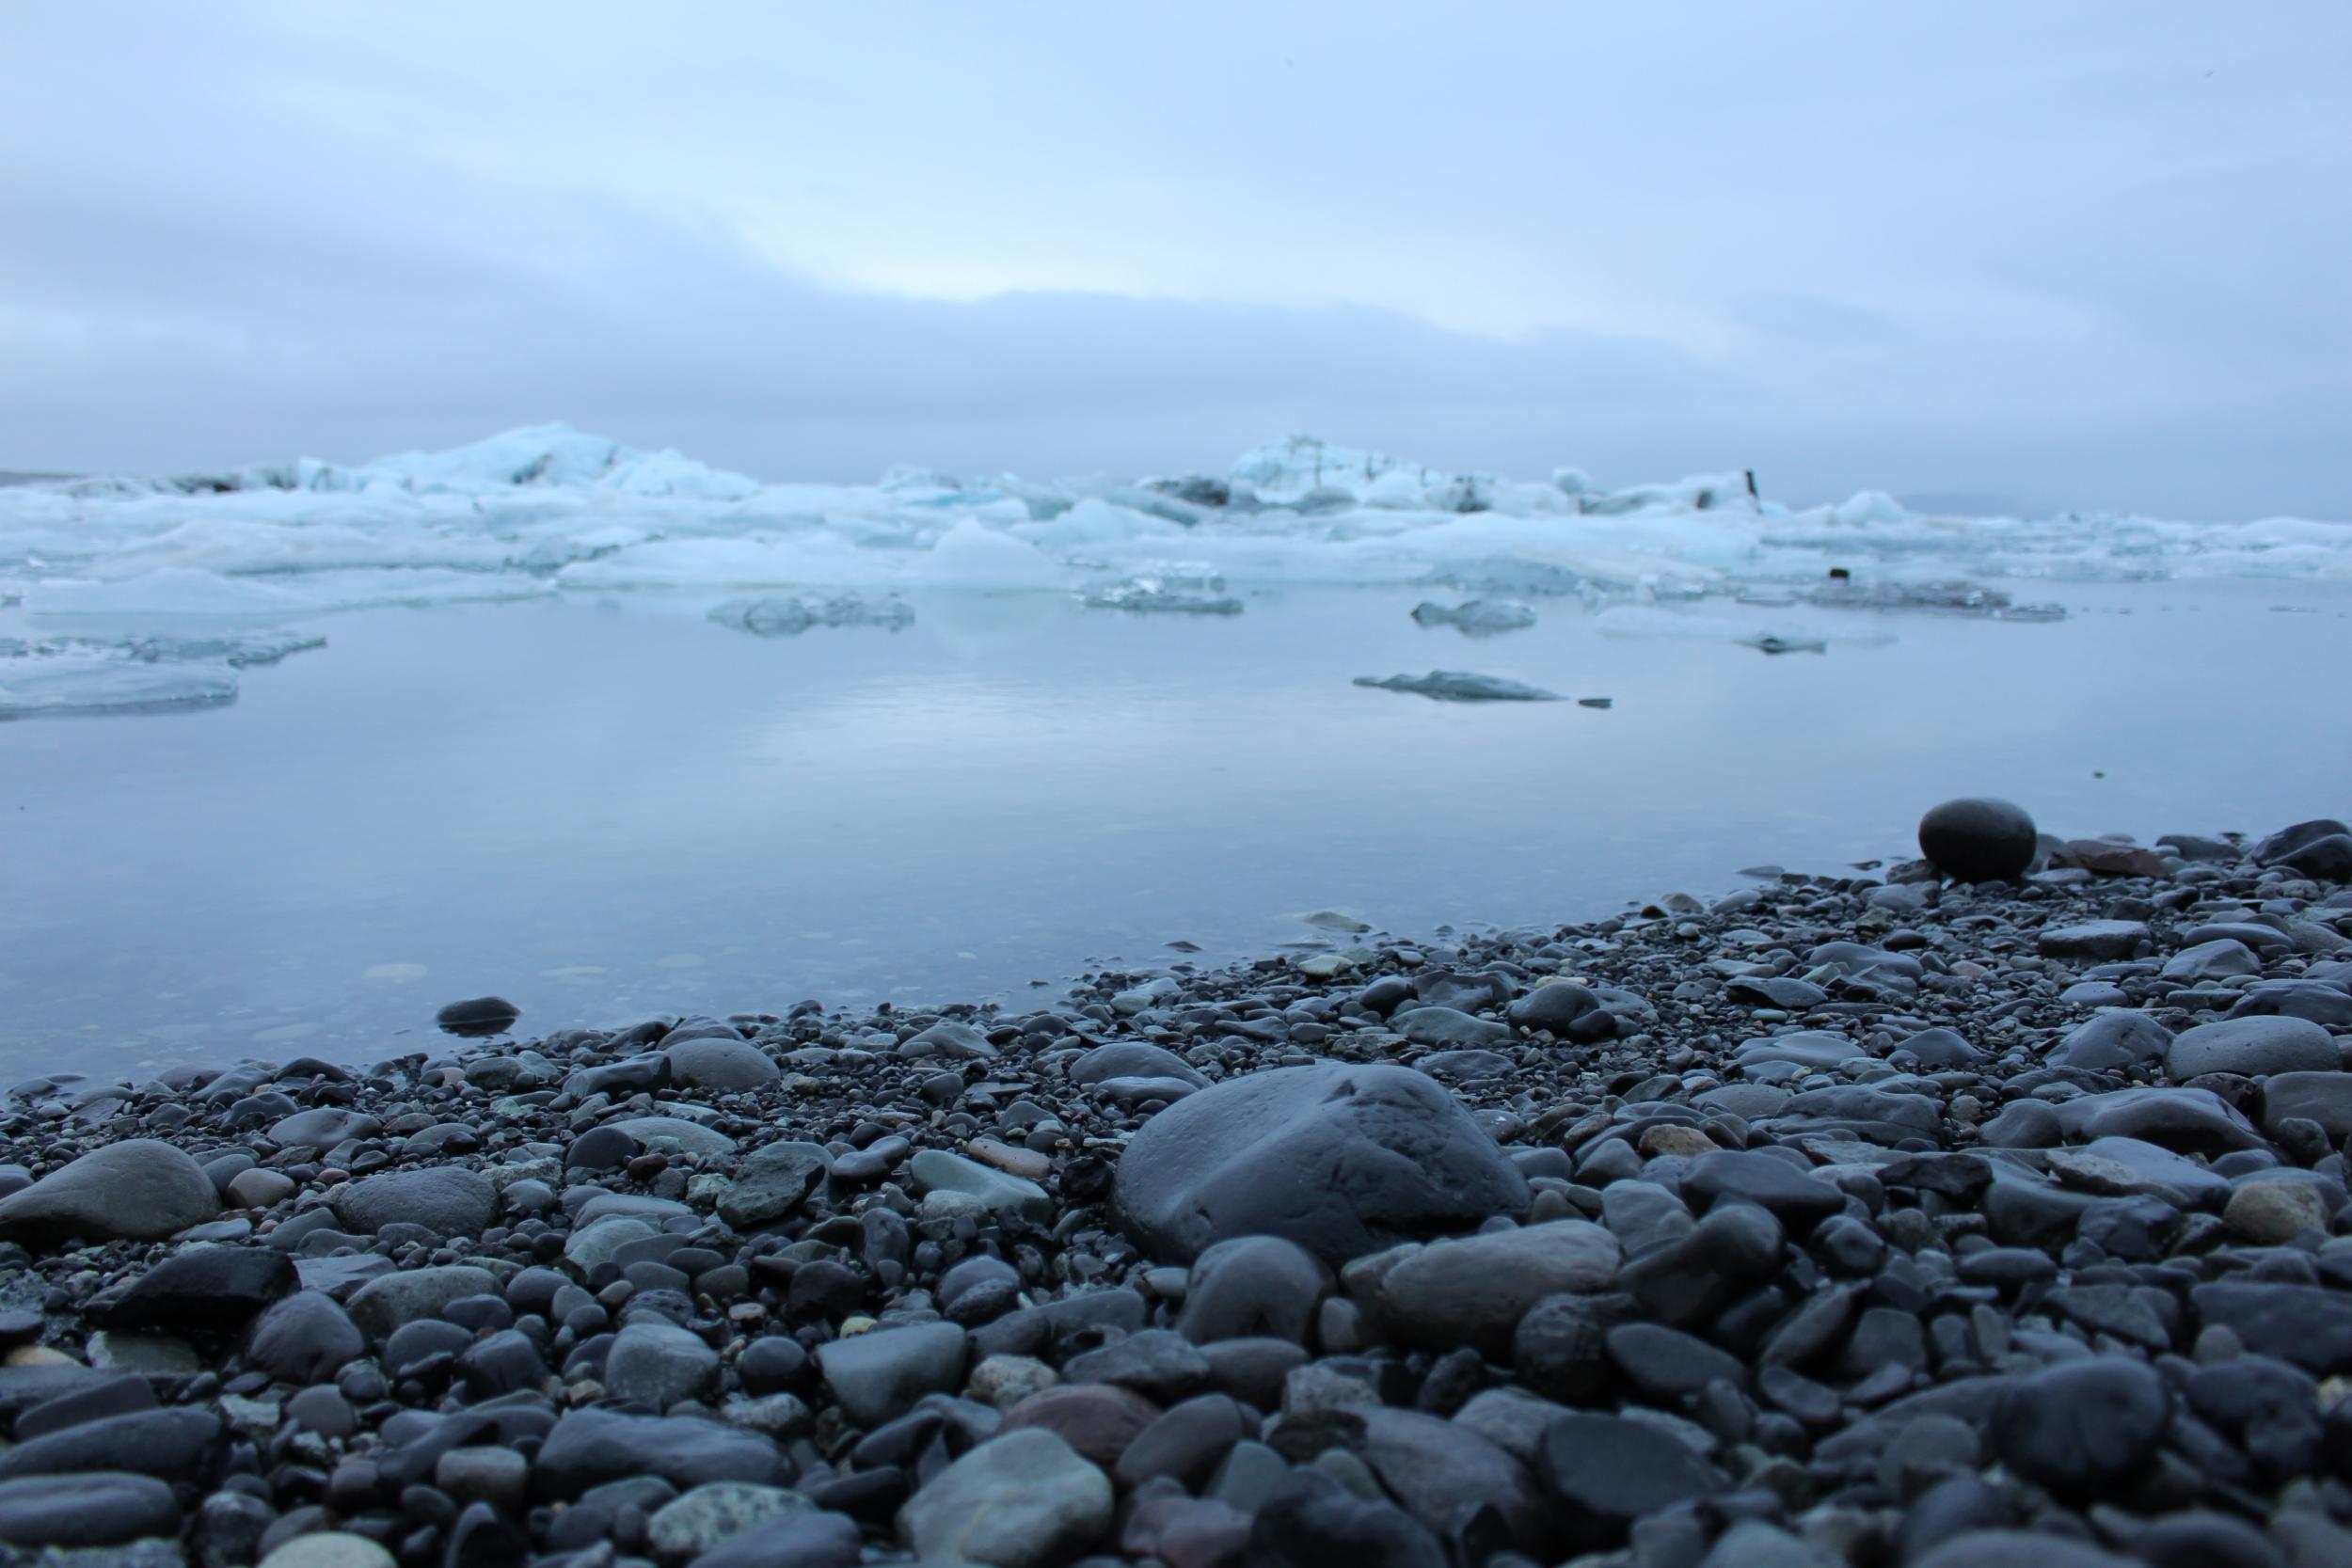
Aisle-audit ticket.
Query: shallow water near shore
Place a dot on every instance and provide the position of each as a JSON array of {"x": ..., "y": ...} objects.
[{"x": 610, "y": 811}]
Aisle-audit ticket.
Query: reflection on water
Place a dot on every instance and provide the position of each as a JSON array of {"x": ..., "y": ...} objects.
[{"x": 605, "y": 814}]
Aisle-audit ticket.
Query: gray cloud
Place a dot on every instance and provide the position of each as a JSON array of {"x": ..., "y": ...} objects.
[{"x": 2041, "y": 256}]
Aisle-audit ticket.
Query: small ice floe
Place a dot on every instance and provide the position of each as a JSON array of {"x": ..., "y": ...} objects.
[
  {"x": 785, "y": 615},
  {"x": 1477, "y": 617},
  {"x": 1170, "y": 588},
  {"x": 1459, "y": 686},
  {"x": 1967, "y": 598},
  {"x": 1509, "y": 574},
  {"x": 93, "y": 675}
]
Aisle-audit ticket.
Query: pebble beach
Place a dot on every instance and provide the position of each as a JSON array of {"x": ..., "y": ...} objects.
[{"x": 1976, "y": 1209}]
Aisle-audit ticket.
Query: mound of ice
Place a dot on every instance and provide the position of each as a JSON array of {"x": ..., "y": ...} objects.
[
  {"x": 551, "y": 509},
  {"x": 548, "y": 455}
]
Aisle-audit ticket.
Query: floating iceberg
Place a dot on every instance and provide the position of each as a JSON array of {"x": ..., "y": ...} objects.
[
  {"x": 785, "y": 617},
  {"x": 1459, "y": 686},
  {"x": 1177, "y": 588},
  {"x": 552, "y": 509},
  {"x": 82, "y": 684},
  {"x": 1477, "y": 617}
]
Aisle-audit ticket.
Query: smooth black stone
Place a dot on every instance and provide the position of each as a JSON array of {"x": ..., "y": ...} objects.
[
  {"x": 205, "y": 1289},
  {"x": 478, "y": 1015},
  {"x": 2081, "y": 1426},
  {"x": 1614, "y": 1470},
  {"x": 98, "y": 1509},
  {"x": 1324, "y": 1525},
  {"x": 119, "y": 1395},
  {"x": 169, "y": 1445},
  {"x": 1978, "y": 840}
]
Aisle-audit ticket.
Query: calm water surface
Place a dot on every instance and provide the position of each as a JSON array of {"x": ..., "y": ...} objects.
[{"x": 605, "y": 812}]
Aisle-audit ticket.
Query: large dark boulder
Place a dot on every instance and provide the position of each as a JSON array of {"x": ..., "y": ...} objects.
[
  {"x": 2321, "y": 848},
  {"x": 1977, "y": 840},
  {"x": 214, "y": 1289},
  {"x": 1342, "y": 1160}
]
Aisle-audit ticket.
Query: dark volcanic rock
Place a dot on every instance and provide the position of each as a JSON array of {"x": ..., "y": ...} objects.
[
  {"x": 2082, "y": 1425},
  {"x": 1977, "y": 840},
  {"x": 478, "y": 1015},
  {"x": 98, "y": 1509},
  {"x": 589, "y": 1447},
  {"x": 210, "y": 1289},
  {"x": 1612, "y": 1470},
  {"x": 1341, "y": 1160}
]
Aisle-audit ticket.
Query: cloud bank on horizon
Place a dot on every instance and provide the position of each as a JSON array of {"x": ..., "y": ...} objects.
[{"x": 2015, "y": 258}]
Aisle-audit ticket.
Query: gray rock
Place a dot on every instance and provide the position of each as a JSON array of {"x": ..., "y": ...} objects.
[
  {"x": 447, "y": 1200},
  {"x": 304, "y": 1339},
  {"x": 2255, "y": 1046},
  {"x": 177, "y": 1445},
  {"x": 384, "y": 1305},
  {"x": 936, "y": 1170},
  {"x": 1978, "y": 840},
  {"x": 1446, "y": 1026},
  {"x": 1434, "y": 1467},
  {"x": 878, "y": 1375},
  {"x": 1023, "y": 1500},
  {"x": 203, "y": 1289},
  {"x": 1341, "y": 1160},
  {"x": 694, "y": 1522},
  {"x": 2082, "y": 1426},
  {"x": 2095, "y": 941},
  {"x": 2111, "y": 1042},
  {"x": 720, "y": 1065},
  {"x": 1325, "y": 1526},
  {"x": 139, "y": 1190},
  {"x": 2211, "y": 960},
  {"x": 589, "y": 1447},
  {"x": 658, "y": 1364},
  {"x": 1133, "y": 1059},
  {"x": 322, "y": 1128},
  {"x": 771, "y": 1182},
  {"x": 956, "y": 1041},
  {"x": 2289, "y": 846},
  {"x": 2324, "y": 1004},
  {"x": 2325, "y": 1098},
  {"x": 1473, "y": 1292},
  {"x": 2189, "y": 1120},
  {"x": 100, "y": 1507},
  {"x": 692, "y": 1137},
  {"x": 1798, "y": 1200},
  {"x": 1252, "y": 1286},
  {"x": 1614, "y": 1470},
  {"x": 1553, "y": 1006},
  {"x": 791, "y": 1541},
  {"x": 2013, "y": 1548}
]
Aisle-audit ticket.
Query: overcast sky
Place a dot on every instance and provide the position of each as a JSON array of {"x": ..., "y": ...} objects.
[{"x": 2048, "y": 255}]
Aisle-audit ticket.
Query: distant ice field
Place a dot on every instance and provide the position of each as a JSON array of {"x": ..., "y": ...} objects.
[{"x": 291, "y": 755}]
